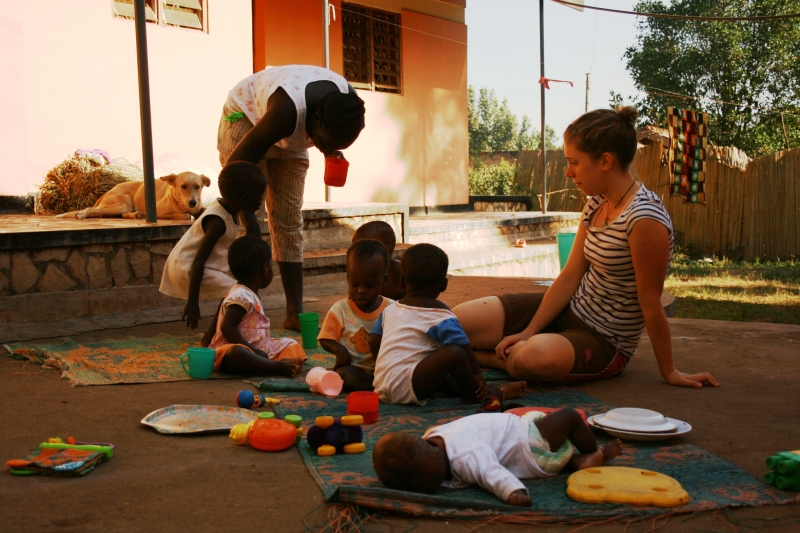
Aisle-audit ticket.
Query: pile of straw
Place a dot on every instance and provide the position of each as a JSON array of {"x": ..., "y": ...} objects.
[{"x": 79, "y": 181}]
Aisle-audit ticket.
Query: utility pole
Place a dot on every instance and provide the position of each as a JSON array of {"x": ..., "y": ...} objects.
[
  {"x": 586, "y": 108},
  {"x": 543, "y": 146},
  {"x": 326, "y": 22},
  {"x": 144, "y": 112}
]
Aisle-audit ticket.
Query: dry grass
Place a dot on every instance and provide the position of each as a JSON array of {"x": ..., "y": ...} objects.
[
  {"x": 78, "y": 182},
  {"x": 726, "y": 290}
]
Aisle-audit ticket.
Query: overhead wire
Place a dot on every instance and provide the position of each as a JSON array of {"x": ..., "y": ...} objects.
[
  {"x": 755, "y": 18},
  {"x": 657, "y": 91}
]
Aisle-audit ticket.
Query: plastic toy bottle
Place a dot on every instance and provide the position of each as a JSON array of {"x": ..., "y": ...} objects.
[
  {"x": 267, "y": 433},
  {"x": 784, "y": 470}
]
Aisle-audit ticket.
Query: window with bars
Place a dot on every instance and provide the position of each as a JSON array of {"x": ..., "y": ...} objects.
[
  {"x": 371, "y": 41},
  {"x": 182, "y": 13}
]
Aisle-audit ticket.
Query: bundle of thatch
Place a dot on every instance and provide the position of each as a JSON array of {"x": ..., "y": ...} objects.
[{"x": 79, "y": 181}]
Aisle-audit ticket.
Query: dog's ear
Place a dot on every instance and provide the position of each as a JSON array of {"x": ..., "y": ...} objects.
[
  {"x": 169, "y": 179},
  {"x": 206, "y": 181}
]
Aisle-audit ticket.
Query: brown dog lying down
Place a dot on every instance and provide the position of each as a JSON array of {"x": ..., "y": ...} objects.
[{"x": 177, "y": 198}]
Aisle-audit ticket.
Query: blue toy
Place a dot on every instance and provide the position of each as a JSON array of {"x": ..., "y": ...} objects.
[
  {"x": 330, "y": 435},
  {"x": 246, "y": 399}
]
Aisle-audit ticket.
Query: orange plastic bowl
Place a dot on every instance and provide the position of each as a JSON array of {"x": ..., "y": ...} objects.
[
  {"x": 272, "y": 435},
  {"x": 336, "y": 171}
]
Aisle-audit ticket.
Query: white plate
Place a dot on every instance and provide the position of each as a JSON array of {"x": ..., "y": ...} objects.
[
  {"x": 635, "y": 420},
  {"x": 197, "y": 418},
  {"x": 683, "y": 429}
]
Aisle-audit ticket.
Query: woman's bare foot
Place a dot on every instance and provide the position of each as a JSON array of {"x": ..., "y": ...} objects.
[
  {"x": 507, "y": 391},
  {"x": 600, "y": 456}
]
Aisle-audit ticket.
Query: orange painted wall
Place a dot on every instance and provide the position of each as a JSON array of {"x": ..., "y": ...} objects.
[
  {"x": 414, "y": 148},
  {"x": 73, "y": 84}
]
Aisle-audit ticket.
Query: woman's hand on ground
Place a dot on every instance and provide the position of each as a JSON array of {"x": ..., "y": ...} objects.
[
  {"x": 191, "y": 315},
  {"x": 519, "y": 498},
  {"x": 681, "y": 379},
  {"x": 505, "y": 345}
]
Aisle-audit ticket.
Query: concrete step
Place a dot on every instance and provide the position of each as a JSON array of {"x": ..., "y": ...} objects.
[
  {"x": 470, "y": 231},
  {"x": 538, "y": 259}
]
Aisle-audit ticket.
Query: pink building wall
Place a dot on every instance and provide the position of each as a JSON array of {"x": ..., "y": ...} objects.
[
  {"x": 414, "y": 149},
  {"x": 70, "y": 81}
]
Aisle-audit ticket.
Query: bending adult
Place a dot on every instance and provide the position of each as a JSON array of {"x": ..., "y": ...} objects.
[
  {"x": 588, "y": 323},
  {"x": 287, "y": 110}
]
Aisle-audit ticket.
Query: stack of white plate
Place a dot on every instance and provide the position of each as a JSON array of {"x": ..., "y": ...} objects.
[{"x": 639, "y": 424}]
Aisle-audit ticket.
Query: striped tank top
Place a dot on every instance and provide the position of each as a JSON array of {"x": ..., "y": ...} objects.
[{"x": 606, "y": 298}]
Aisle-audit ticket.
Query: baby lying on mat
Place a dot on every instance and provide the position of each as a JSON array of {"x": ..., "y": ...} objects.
[{"x": 493, "y": 451}]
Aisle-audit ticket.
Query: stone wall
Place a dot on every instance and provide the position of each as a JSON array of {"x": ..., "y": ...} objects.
[
  {"x": 78, "y": 281},
  {"x": 75, "y": 268}
]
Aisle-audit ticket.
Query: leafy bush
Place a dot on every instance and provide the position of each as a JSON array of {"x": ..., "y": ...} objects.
[{"x": 491, "y": 180}]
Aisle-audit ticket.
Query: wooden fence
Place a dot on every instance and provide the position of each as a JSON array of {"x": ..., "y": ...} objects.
[{"x": 750, "y": 214}]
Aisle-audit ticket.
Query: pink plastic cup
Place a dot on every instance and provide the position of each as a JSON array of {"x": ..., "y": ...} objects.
[
  {"x": 330, "y": 384},
  {"x": 363, "y": 403}
]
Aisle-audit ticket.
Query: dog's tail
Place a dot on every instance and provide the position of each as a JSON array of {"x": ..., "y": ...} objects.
[{"x": 71, "y": 214}]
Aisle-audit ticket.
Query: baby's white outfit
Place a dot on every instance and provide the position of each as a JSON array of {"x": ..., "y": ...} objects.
[
  {"x": 217, "y": 279},
  {"x": 490, "y": 450},
  {"x": 409, "y": 335}
]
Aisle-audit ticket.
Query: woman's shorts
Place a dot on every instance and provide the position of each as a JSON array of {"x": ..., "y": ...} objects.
[{"x": 595, "y": 357}]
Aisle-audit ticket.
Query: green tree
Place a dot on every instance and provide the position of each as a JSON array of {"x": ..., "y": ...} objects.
[
  {"x": 743, "y": 73},
  {"x": 494, "y": 128}
]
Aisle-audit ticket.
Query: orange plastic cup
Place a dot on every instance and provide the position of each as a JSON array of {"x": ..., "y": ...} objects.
[
  {"x": 363, "y": 403},
  {"x": 336, "y": 171}
]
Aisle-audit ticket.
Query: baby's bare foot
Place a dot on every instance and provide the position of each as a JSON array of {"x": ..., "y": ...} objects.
[
  {"x": 296, "y": 363},
  {"x": 611, "y": 450},
  {"x": 286, "y": 369}
]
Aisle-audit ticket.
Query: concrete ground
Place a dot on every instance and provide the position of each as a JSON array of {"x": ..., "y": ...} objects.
[{"x": 172, "y": 483}]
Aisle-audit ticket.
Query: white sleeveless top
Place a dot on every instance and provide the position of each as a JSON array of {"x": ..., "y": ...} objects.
[
  {"x": 607, "y": 299},
  {"x": 251, "y": 94},
  {"x": 217, "y": 278}
]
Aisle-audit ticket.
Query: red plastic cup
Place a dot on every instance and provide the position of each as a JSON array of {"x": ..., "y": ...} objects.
[
  {"x": 363, "y": 403},
  {"x": 336, "y": 171}
]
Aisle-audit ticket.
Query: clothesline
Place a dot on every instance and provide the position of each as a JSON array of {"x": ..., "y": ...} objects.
[{"x": 648, "y": 89}]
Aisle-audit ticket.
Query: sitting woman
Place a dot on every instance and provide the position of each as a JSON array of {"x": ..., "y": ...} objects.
[{"x": 588, "y": 323}]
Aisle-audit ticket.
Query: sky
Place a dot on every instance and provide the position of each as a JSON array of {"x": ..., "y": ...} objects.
[{"x": 503, "y": 54}]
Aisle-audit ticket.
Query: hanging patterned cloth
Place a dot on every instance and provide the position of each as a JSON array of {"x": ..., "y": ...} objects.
[{"x": 688, "y": 138}]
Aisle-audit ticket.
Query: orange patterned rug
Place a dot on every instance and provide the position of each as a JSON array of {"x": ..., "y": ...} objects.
[{"x": 131, "y": 359}]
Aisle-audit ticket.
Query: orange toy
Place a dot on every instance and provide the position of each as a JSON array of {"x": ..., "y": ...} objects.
[{"x": 265, "y": 433}]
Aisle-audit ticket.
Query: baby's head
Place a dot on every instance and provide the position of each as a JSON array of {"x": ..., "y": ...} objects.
[
  {"x": 425, "y": 268},
  {"x": 250, "y": 260},
  {"x": 407, "y": 462},
  {"x": 242, "y": 186},
  {"x": 367, "y": 264},
  {"x": 378, "y": 230}
]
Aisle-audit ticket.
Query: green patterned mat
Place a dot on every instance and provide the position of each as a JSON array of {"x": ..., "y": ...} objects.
[
  {"x": 131, "y": 359},
  {"x": 712, "y": 482}
]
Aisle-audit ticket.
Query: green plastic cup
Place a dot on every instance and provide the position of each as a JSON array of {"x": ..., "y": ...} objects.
[
  {"x": 200, "y": 362},
  {"x": 565, "y": 241},
  {"x": 309, "y": 328}
]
